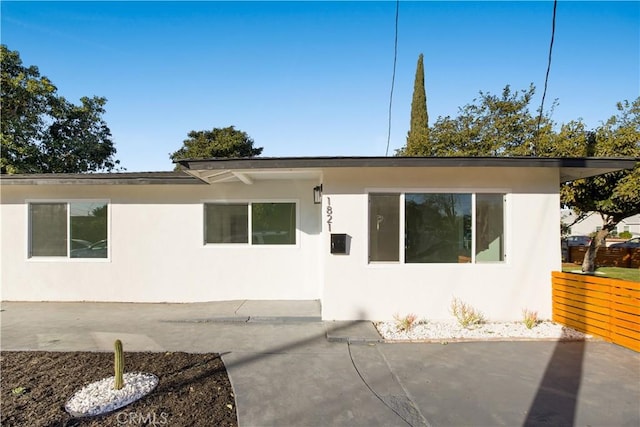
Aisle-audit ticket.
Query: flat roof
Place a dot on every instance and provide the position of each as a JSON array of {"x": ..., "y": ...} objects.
[
  {"x": 120, "y": 178},
  {"x": 571, "y": 168},
  {"x": 194, "y": 171}
]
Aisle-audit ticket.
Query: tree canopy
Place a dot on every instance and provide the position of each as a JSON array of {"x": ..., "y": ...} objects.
[
  {"x": 504, "y": 126},
  {"x": 615, "y": 195},
  {"x": 219, "y": 142},
  {"x": 42, "y": 132},
  {"x": 490, "y": 126}
]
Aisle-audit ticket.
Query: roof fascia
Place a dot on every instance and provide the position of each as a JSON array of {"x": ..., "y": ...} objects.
[
  {"x": 129, "y": 178},
  {"x": 334, "y": 162},
  {"x": 570, "y": 168}
]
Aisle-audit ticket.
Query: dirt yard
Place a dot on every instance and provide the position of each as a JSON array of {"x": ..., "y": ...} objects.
[{"x": 194, "y": 389}]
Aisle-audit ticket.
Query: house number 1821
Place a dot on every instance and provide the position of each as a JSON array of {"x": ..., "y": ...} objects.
[{"x": 329, "y": 212}]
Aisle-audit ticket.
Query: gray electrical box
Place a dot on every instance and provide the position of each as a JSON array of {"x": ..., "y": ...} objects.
[{"x": 338, "y": 243}]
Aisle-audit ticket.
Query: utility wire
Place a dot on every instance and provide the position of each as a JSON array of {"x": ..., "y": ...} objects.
[
  {"x": 369, "y": 387},
  {"x": 393, "y": 77},
  {"x": 546, "y": 78}
]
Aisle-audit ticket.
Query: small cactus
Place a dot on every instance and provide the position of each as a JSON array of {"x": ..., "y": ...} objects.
[{"x": 118, "y": 365}]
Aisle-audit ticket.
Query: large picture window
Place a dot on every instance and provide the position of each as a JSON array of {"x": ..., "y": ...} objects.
[
  {"x": 438, "y": 227},
  {"x": 257, "y": 223},
  {"x": 71, "y": 230}
]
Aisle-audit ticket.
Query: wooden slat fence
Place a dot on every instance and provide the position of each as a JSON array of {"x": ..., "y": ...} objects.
[
  {"x": 608, "y": 308},
  {"x": 607, "y": 257}
]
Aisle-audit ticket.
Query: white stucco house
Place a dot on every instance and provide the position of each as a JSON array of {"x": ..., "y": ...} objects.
[
  {"x": 593, "y": 223},
  {"x": 368, "y": 237}
]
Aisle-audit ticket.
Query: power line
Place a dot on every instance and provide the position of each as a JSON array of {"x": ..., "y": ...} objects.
[
  {"x": 393, "y": 77},
  {"x": 546, "y": 78},
  {"x": 371, "y": 389}
]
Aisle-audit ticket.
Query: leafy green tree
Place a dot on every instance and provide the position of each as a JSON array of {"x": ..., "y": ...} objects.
[
  {"x": 491, "y": 126},
  {"x": 42, "y": 132},
  {"x": 418, "y": 136},
  {"x": 615, "y": 196},
  {"x": 573, "y": 140},
  {"x": 219, "y": 142},
  {"x": 504, "y": 126}
]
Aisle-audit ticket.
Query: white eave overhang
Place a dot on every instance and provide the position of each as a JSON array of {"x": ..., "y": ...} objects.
[
  {"x": 252, "y": 170},
  {"x": 250, "y": 176},
  {"x": 249, "y": 170}
]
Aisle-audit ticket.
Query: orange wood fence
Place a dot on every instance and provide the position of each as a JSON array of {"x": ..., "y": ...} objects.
[{"x": 608, "y": 308}]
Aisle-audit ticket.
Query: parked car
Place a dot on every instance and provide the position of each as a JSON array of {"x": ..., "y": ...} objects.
[
  {"x": 578, "y": 240},
  {"x": 79, "y": 244},
  {"x": 96, "y": 250},
  {"x": 631, "y": 243}
]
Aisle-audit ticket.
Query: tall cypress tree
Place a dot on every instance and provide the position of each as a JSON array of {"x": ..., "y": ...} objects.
[{"x": 418, "y": 136}]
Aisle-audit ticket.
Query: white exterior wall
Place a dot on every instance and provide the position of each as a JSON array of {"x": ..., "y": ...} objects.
[
  {"x": 157, "y": 252},
  {"x": 630, "y": 224},
  {"x": 591, "y": 223},
  {"x": 355, "y": 289},
  {"x": 156, "y": 247}
]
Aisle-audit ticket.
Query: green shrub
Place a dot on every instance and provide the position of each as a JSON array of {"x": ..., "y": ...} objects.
[
  {"x": 529, "y": 318},
  {"x": 465, "y": 314},
  {"x": 404, "y": 324},
  {"x": 625, "y": 235}
]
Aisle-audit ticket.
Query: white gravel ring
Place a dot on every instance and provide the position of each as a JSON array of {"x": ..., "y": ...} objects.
[{"x": 100, "y": 397}]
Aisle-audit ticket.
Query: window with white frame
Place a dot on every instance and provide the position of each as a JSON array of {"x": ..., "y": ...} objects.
[
  {"x": 255, "y": 223},
  {"x": 436, "y": 227},
  {"x": 68, "y": 229}
]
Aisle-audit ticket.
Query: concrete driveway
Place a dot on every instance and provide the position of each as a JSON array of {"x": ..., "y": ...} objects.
[{"x": 288, "y": 368}]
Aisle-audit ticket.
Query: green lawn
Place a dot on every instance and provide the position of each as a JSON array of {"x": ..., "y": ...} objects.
[{"x": 631, "y": 274}]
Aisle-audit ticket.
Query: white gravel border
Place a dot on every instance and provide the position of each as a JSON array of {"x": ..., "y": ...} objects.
[
  {"x": 100, "y": 397},
  {"x": 451, "y": 331}
]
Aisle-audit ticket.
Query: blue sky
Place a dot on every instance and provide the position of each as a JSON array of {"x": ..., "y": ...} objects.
[{"x": 313, "y": 78}]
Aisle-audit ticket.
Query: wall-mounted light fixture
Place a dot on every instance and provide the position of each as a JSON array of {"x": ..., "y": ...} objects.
[{"x": 317, "y": 194}]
